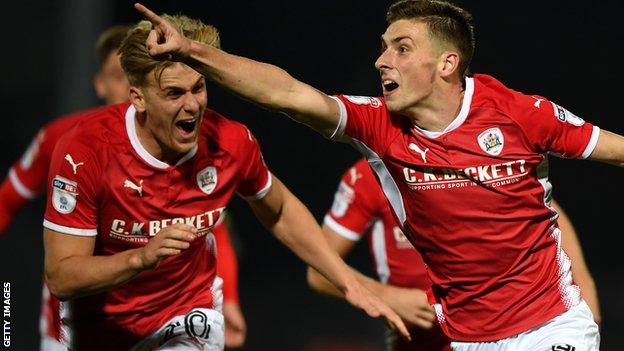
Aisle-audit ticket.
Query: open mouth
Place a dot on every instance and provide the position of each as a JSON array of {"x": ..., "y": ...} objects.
[
  {"x": 389, "y": 85},
  {"x": 187, "y": 127}
]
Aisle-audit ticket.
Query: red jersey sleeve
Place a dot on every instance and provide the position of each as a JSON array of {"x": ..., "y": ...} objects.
[
  {"x": 255, "y": 179},
  {"x": 365, "y": 120},
  {"x": 71, "y": 205},
  {"x": 355, "y": 205},
  {"x": 227, "y": 264},
  {"x": 551, "y": 128},
  {"x": 29, "y": 173}
]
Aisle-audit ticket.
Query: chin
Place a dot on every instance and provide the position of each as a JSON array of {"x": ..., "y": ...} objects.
[{"x": 393, "y": 106}]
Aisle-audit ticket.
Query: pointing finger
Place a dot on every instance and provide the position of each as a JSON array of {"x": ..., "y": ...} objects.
[{"x": 151, "y": 16}]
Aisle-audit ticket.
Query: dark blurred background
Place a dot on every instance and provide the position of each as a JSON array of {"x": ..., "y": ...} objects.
[{"x": 567, "y": 51}]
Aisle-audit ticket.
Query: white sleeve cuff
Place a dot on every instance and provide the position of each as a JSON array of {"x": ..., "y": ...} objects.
[
  {"x": 593, "y": 141},
  {"x": 262, "y": 193},
  {"x": 69, "y": 230},
  {"x": 339, "y": 131},
  {"x": 343, "y": 231}
]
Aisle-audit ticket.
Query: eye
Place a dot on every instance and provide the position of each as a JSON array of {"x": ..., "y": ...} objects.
[
  {"x": 173, "y": 94},
  {"x": 403, "y": 49},
  {"x": 198, "y": 88}
]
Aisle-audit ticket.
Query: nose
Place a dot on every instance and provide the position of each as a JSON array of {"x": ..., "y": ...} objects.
[
  {"x": 191, "y": 103},
  {"x": 382, "y": 62}
]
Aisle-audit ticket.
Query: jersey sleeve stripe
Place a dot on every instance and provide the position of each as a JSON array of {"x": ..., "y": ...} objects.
[
  {"x": 388, "y": 185},
  {"x": 592, "y": 142},
  {"x": 20, "y": 187},
  {"x": 342, "y": 123},
  {"x": 69, "y": 230},
  {"x": 262, "y": 193},
  {"x": 343, "y": 231}
]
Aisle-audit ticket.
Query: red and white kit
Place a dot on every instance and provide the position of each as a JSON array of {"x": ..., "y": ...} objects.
[
  {"x": 475, "y": 201},
  {"x": 360, "y": 208},
  {"x": 104, "y": 183}
]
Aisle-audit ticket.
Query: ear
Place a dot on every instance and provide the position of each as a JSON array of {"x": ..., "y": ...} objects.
[
  {"x": 98, "y": 84},
  {"x": 138, "y": 99},
  {"x": 448, "y": 64}
]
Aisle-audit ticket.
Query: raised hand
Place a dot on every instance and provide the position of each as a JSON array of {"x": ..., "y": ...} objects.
[{"x": 164, "y": 39}]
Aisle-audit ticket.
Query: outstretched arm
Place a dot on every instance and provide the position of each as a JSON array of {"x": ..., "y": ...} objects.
[
  {"x": 609, "y": 149},
  {"x": 410, "y": 304},
  {"x": 291, "y": 222},
  {"x": 580, "y": 272},
  {"x": 262, "y": 83}
]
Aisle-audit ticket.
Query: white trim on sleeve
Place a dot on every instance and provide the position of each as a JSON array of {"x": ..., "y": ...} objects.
[
  {"x": 262, "y": 193},
  {"x": 20, "y": 187},
  {"x": 593, "y": 141},
  {"x": 340, "y": 229},
  {"x": 342, "y": 122},
  {"x": 69, "y": 230}
]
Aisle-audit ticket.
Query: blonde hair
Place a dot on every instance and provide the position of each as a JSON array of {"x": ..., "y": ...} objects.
[
  {"x": 110, "y": 41},
  {"x": 136, "y": 60}
]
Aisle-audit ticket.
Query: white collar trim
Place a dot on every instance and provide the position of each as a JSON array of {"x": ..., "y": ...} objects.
[
  {"x": 461, "y": 117},
  {"x": 138, "y": 147}
]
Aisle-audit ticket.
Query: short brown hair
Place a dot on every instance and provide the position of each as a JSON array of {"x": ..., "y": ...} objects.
[
  {"x": 136, "y": 60},
  {"x": 110, "y": 41},
  {"x": 446, "y": 22}
]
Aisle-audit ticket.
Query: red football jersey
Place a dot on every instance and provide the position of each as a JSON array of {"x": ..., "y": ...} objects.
[
  {"x": 475, "y": 201},
  {"x": 104, "y": 183},
  {"x": 360, "y": 208}
]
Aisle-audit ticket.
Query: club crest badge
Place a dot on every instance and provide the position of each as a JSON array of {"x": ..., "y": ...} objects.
[
  {"x": 64, "y": 195},
  {"x": 207, "y": 179},
  {"x": 491, "y": 141}
]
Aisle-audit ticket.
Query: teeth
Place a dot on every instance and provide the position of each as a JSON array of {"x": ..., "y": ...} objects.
[{"x": 387, "y": 82}]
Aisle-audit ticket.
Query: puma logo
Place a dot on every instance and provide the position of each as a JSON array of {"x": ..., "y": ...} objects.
[
  {"x": 422, "y": 153},
  {"x": 538, "y": 101},
  {"x": 72, "y": 163},
  {"x": 354, "y": 175},
  {"x": 131, "y": 185}
]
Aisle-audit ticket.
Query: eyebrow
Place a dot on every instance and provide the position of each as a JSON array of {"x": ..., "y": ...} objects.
[
  {"x": 397, "y": 39},
  {"x": 169, "y": 87}
]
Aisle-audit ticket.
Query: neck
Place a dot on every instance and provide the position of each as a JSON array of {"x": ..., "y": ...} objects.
[
  {"x": 151, "y": 144},
  {"x": 438, "y": 110}
]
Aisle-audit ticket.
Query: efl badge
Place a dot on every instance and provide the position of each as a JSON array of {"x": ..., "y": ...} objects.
[
  {"x": 566, "y": 116},
  {"x": 207, "y": 179},
  {"x": 364, "y": 100},
  {"x": 342, "y": 199},
  {"x": 64, "y": 194},
  {"x": 491, "y": 141}
]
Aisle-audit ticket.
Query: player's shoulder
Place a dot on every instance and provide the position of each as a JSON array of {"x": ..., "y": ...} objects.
[
  {"x": 223, "y": 133},
  {"x": 491, "y": 93},
  {"x": 92, "y": 129},
  {"x": 359, "y": 174}
]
